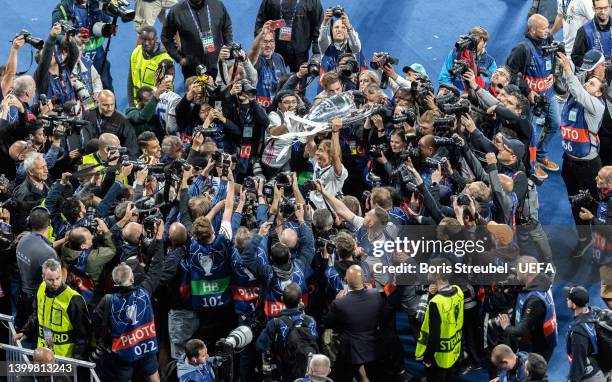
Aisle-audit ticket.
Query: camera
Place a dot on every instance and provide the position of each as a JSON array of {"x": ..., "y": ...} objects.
[
  {"x": 459, "y": 68},
  {"x": 463, "y": 199},
  {"x": 443, "y": 124},
  {"x": 82, "y": 94},
  {"x": 348, "y": 69},
  {"x": 67, "y": 27},
  {"x": 35, "y": 42},
  {"x": 283, "y": 179},
  {"x": 150, "y": 219},
  {"x": 114, "y": 150},
  {"x": 238, "y": 338},
  {"x": 407, "y": 115},
  {"x": 582, "y": 199},
  {"x": 446, "y": 141},
  {"x": 338, "y": 11},
  {"x": 287, "y": 207},
  {"x": 268, "y": 190},
  {"x": 250, "y": 184},
  {"x": 70, "y": 124},
  {"x": 321, "y": 242},
  {"x": 235, "y": 51},
  {"x": 459, "y": 108},
  {"x": 553, "y": 48},
  {"x": 377, "y": 151},
  {"x": 380, "y": 59},
  {"x": 207, "y": 132},
  {"x": 420, "y": 89},
  {"x": 540, "y": 103},
  {"x": 309, "y": 185},
  {"x": 221, "y": 159},
  {"x": 433, "y": 162},
  {"x": 466, "y": 42},
  {"x": 118, "y": 9},
  {"x": 410, "y": 152},
  {"x": 404, "y": 175},
  {"x": 139, "y": 166},
  {"x": 90, "y": 222},
  {"x": 247, "y": 87},
  {"x": 447, "y": 98},
  {"x": 314, "y": 66}
]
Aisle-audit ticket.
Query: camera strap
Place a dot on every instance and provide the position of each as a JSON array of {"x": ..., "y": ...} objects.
[{"x": 29, "y": 66}]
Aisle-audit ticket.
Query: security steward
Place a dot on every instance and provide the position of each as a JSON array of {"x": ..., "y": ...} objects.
[
  {"x": 581, "y": 344},
  {"x": 439, "y": 342},
  {"x": 61, "y": 315}
]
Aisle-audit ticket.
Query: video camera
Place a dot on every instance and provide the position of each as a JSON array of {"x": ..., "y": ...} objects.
[
  {"x": 377, "y": 151},
  {"x": 118, "y": 9},
  {"x": 582, "y": 199},
  {"x": 466, "y": 42},
  {"x": 404, "y": 175},
  {"x": 380, "y": 59},
  {"x": 71, "y": 124},
  {"x": 444, "y": 125},
  {"x": 553, "y": 48},
  {"x": 459, "y": 108},
  {"x": 83, "y": 95},
  {"x": 35, "y": 42}
]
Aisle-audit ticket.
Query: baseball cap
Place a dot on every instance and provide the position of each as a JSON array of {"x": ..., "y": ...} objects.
[
  {"x": 417, "y": 68},
  {"x": 578, "y": 295},
  {"x": 591, "y": 59},
  {"x": 502, "y": 232},
  {"x": 517, "y": 147}
]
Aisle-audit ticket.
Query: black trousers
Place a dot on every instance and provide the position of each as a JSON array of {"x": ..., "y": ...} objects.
[
  {"x": 294, "y": 60},
  {"x": 578, "y": 176},
  {"x": 437, "y": 374}
]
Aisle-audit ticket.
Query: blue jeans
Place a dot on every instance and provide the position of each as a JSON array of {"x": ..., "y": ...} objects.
[{"x": 546, "y": 126}]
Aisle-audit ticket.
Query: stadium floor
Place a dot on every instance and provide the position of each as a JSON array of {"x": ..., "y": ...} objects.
[{"x": 412, "y": 30}]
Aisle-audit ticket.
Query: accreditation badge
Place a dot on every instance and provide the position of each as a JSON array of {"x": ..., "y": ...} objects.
[{"x": 285, "y": 34}]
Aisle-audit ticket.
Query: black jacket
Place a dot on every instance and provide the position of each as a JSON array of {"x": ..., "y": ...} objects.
[
  {"x": 580, "y": 43},
  {"x": 306, "y": 24},
  {"x": 115, "y": 124},
  {"x": 41, "y": 75},
  {"x": 27, "y": 195},
  {"x": 179, "y": 20},
  {"x": 583, "y": 364},
  {"x": 357, "y": 316},
  {"x": 79, "y": 317}
]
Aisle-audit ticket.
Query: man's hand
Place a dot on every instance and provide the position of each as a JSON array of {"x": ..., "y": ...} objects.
[
  {"x": 336, "y": 125},
  {"x": 470, "y": 78},
  {"x": 491, "y": 158},
  {"x": 346, "y": 22},
  {"x": 327, "y": 16},
  {"x": 224, "y": 54},
  {"x": 56, "y": 140},
  {"x": 126, "y": 171},
  {"x": 492, "y": 109},
  {"x": 436, "y": 176},
  {"x": 187, "y": 174},
  {"x": 303, "y": 71},
  {"x": 468, "y": 123},
  {"x": 102, "y": 227},
  {"x": 193, "y": 92},
  {"x": 531, "y": 97},
  {"x": 236, "y": 89},
  {"x": 20, "y": 337},
  {"x": 159, "y": 235},
  {"x": 162, "y": 88},
  {"x": 18, "y": 42},
  {"x": 585, "y": 214},
  {"x": 197, "y": 141},
  {"x": 504, "y": 321},
  {"x": 74, "y": 154},
  {"x": 263, "y": 230},
  {"x": 217, "y": 114},
  {"x": 65, "y": 179},
  {"x": 56, "y": 29},
  {"x": 299, "y": 212},
  {"x": 430, "y": 101},
  {"x": 5, "y": 215},
  {"x": 141, "y": 176},
  {"x": 389, "y": 71},
  {"x": 564, "y": 62},
  {"x": 183, "y": 61},
  {"x": 11, "y": 100},
  {"x": 376, "y": 120}
]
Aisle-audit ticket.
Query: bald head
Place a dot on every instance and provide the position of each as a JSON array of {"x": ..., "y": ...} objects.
[
  {"x": 177, "y": 233},
  {"x": 132, "y": 232},
  {"x": 354, "y": 277},
  {"x": 289, "y": 237},
  {"x": 319, "y": 365},
  {"x": 106, "y": 103},
  {"x": 604, "y": 177},
  {"x": 18, "y": 150},
  {"x": 43, "y": 355},
  {"x": 537, "y": 26},
  {"x": 108, "y": 139}
]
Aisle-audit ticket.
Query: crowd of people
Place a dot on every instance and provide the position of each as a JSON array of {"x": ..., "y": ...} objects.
[{"x": 240, "y": 231}]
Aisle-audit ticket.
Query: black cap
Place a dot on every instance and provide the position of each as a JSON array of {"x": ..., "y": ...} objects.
[{"x": 578, "y": 295}]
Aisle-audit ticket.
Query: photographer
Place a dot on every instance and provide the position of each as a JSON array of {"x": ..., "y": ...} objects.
[
  {"x": 196, "y": 365},
  {"x": 535, "y": 323},
  {"x": 295, "y": 38},
  {"x": 270, "y": 66},
  {"x": 10, "y": 69},
  {"x": 143, "y": 117},
  {"x": 203, "y": 27},
  {"x": 144, "y": 62},
  {"x": 336, "y": 37},
  {"x": 484, "y": 64},
  {"x": 580, "y": 120},
  {"x": 235, "y": 65},
  {"x": 536, "y": 66},
  {"x": 88, "y": 14},
  {"x": 105, "y": 119},
  {"x": 55, "y": 65},
  {"x": 121, "y": 314},
  {"x": 327, "y": 162},
  {"x": 592, "y": 34},
  {"x": 601, "y": 222},
  {"x": 32, "y": 191}
]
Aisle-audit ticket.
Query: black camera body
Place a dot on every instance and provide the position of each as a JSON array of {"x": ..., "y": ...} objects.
[
  {"x": 459, "y": 68},
  {"x": 70, "y": 124},
  {"x": 582, "y": 199},
  {"x": 380, "y": 59},
  {"x": 553, "y": 48},
  {"x": 443, "y": 124},
  {"x": 207, "y": 132},
  {"x": 410, "y": 152},
  {"x": 540, "y": 103},
  {"x": 404, "y": 175},
  {"x": 67, "y": 27},
  {"x": 321, "y": 242},
  {"x": 463, "y": 199},
  {"x": 119, "y": 9},
  {"x": 235, "y": 50},
  {"x": 35, "y": 42},
  {"x": 338, "y": 10},
  {"x": 459, "y": 108},
  {"x": 420, "y": 89},
  {"x": 314, "y": 66},
  {"x": 90, "y": 222},
  {"x": 348, "y": 69},
  {"x": 249, "y": 184},
  {"x": 287, "y": 207},
  {"x": 247, "y": 87},
  {"x": 407, "y": 115},
  {"x": 309, "y": 185},
  {"x": 466, "y": 42},
  {"x": 377, "y": 151}
]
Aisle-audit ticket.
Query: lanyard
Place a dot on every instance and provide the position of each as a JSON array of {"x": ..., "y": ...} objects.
[
  {"x": 297, "y": 4},
  {"x": 196, "y": 19}
]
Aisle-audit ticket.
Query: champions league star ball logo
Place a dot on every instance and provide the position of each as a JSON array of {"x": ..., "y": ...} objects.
[
  {"x": 206, "y": 262},
  {"x": 131, "y": 311}
]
